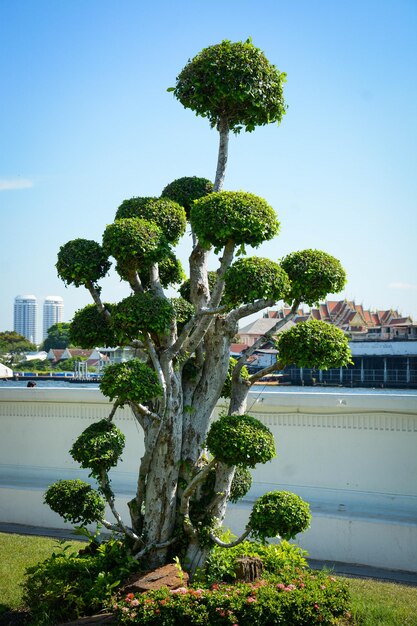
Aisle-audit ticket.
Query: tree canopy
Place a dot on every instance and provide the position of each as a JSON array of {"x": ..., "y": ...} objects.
[{"x": 187, "y": 473}]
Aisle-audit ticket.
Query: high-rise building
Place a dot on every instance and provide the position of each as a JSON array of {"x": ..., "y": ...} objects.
[
  {"x": 25, "y": 314},
  {"x": 53, "y": 309}
]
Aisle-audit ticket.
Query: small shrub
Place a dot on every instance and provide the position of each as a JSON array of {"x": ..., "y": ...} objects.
[
  {"x": 68, "y": 584},
  {"x": 276, "y": 558},
  {"x": 302, "y": 598}
]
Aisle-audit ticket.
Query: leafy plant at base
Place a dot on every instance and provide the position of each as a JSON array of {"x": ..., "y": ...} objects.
[
  {"x": 245, "y": 219},
  {"x": 132, "y": 381},
  {"x": 187, "y": 189},
  {"x": 313, "y": 344},
  {"x": 76, "y": 501},
  {"x": 99, "y": 447},
  {"x": 276, "y": 558},
  {"x": 69, "y": 585},
  {"x": 297, "y": 598},
  {"x": 240, "y": 440},
  {"x": 279, "y": 514}
]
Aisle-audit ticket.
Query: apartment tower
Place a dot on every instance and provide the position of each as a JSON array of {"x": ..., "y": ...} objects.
[
  {"x": 53, "y": 310},
  {"x": 25, "y": 317}
]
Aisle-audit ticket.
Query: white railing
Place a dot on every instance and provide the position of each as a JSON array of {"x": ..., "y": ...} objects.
[{"x": 351, "y": 456}]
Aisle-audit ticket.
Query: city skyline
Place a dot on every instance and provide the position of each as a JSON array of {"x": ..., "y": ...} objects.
[
  {"x": 28, "y": 323},
  {"x": 88, "y": 122}
]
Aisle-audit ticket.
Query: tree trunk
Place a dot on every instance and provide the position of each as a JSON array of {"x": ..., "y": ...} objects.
[{"x": 223, "y": 128}]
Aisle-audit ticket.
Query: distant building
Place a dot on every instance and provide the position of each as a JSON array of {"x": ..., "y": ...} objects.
[
  {"x": 358, "y": 323},
  {"x": 25, "y": 317},
  {"x": 53, "y": 310}
]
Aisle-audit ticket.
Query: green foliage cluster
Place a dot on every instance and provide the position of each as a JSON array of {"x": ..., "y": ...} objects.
[
  {"x": 296, "y": 598},
  {"x": 99, "y": 447},
  {"x": 240, "y": 440},
  {"x": 76, "y": 501},
  {"x": 133, "y": 380},
  {"x": 313, "y": 275},
  {"x": 227, "y": 385},
  {"x": 187, "y": 189},
  {"x": 276, "y": 558},
  {"x": 171, "y": 272},
  {"x": 254, "y": 278},
  {"x": 141, "y": 312},
  {"x": 235, "y": 216},
  {"x": 135, "y": 243},
  {"x": 82, "y": 261},
  {"x": 34, "y": 365},
  {"x": 184, "y": 311},
  {"x": 233, "y": 83},
  {"x": 313, "y": 344},
  {"x": 12, "y": 342},
  {"x": 241, "y": 483},
  {"x": 90, "y": 328},
  {"x": 164, "y": 212},
  {"x": 58, "y": 337},
  {"x": 69, "y": 585},
  {"x": 279, "y": 513}
]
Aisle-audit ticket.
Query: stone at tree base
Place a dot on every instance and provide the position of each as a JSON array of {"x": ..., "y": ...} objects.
[
  {"x": 165, "y": 576},
  {"x": 248, "y": 568},
  {"x": 93, "y": 620}
]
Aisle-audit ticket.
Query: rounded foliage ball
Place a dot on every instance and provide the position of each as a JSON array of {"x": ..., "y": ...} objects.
[
  {"x": 233, "y": 83},
  {"x": 90, "y": 328},
  {"x": 313, "y": 275},
  {"x": 314, "y": 344},
  {"x": 187, "y": 189},
  {"x": 135, "y": 243},
  {"x": 279, "y": 514},
  {"x": 141, "y": 312},
  {"x": 235, "y": 216},
  {"x": 75, "y": 501},
  {"x": 99, "y": 446},
  {"x": 255, "y": 278},
  {"x": 132, "y": 380},
  {"x": 82, "y": 261},
  {"x": 164, "y": 212},
  {"x": 240, "y": 440},
  {"x": 241, "y": 483}
]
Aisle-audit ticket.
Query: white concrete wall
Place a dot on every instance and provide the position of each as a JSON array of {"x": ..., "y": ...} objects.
[{"x": 352, "y": 457}]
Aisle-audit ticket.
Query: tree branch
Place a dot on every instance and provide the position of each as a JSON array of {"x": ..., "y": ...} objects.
[
  {"x": 232, "y": 544},
  {"x": 188, "y": 492},
  {"x": 109, "y": 495},
  {"x": 223, "y": 128},
  {"x": 267, "y": 370},
  {"x": 95, "y": 294}
]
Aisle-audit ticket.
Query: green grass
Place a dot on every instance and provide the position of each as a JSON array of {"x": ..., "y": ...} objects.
[
  {"x": 17, "y": 552},
  {"x": 374, "y": 603}
]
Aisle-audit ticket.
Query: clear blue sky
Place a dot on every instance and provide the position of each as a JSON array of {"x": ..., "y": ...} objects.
[{"x": 86, "y": 121}]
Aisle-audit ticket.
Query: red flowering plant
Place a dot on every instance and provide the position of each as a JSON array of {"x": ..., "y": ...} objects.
[{"x": 298, "y": 598}]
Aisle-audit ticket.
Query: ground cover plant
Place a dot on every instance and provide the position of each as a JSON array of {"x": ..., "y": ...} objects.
[{"x": 191, "y": 469}]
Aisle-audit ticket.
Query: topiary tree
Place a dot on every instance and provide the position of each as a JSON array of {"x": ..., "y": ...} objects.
[{"x": 186, "y": 475}]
